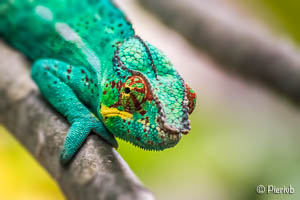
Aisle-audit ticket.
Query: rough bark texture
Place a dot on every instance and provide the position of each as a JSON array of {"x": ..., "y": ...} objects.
[
  {"x": 97, "y": 172},
  {"x": 239, "y": 45}
]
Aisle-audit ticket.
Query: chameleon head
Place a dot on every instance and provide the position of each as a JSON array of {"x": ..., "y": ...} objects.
[{"x": 145, "y": 101}]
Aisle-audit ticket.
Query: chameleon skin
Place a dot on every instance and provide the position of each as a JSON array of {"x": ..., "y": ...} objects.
[{"x": 94, "y": 70}]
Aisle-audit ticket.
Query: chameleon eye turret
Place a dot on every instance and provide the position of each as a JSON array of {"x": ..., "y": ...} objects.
[
  {"x": 93, "y": 69},
  {"x": 134, "y": 93}
]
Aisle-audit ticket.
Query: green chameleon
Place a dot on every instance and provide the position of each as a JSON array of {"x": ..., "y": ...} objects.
[{"x": 94, "y": 70}]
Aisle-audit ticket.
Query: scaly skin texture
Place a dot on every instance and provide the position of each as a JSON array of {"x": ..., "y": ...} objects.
[{"x": 93, "y": 69}]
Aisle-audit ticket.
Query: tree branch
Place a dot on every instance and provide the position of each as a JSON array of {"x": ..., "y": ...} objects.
[
  {"x": 240, "y": 46},
  {"x": 97, "y": 172}
]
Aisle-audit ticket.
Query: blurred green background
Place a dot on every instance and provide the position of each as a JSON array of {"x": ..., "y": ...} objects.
[
  {"x": 284, "y": 14},
  {"x": 242, "y": 135}
]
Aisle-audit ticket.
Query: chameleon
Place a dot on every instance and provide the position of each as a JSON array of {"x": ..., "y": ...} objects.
[{"x": 90, "y": 65}]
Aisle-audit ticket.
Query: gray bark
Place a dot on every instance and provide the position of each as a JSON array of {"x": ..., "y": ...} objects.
[
  {"x": 97, "y": 172},
  {"x": 239, "y": 45}
]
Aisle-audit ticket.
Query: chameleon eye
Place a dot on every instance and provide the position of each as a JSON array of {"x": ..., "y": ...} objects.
[
  {"x": 191, "y": 96},
  {"x": 127, "y": 90},
  {"x": 136, "y": 91}
]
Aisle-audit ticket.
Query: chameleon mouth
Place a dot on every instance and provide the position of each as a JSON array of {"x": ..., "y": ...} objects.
[
  {"x": 169, "y": 138},
  {"x": 171, "y": 129}
]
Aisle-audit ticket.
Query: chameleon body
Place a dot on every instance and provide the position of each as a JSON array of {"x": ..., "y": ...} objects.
[{"x": 94, "y": 70}]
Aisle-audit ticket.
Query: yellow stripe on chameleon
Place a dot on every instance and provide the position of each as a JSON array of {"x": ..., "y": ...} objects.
[{"x": 113, "y": 112}]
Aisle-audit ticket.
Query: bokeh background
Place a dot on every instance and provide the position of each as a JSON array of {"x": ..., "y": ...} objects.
[{"x": 242, "y": 135}]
